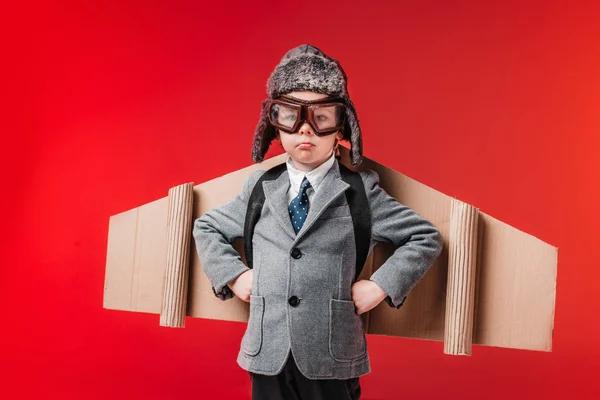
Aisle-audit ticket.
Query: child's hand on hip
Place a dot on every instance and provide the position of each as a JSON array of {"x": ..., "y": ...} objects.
[
  {"x": 366, "y": 295},
  {"x": 242, "y": 285}
]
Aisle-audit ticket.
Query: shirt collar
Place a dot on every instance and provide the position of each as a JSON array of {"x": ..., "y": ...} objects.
[{"x": 315, "y": 177}]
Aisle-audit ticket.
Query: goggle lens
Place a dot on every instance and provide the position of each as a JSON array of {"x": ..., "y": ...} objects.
[
  {"x": 284, "y": 116},
  {"x": 328, "y": 117}
]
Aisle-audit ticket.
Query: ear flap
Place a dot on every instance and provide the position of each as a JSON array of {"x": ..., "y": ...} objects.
[
  {"x": 352, "y": 133},
  {"x": 263, "y": 134}
]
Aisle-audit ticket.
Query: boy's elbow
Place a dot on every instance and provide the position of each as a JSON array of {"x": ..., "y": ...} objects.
[
  {"x": 432, "y": 242},
  {"x": 438, "y": 242},
  {"x": 435, "y": 242},
  {"x": 201, "y": 227},
  {"x": 197, "y": 228}
]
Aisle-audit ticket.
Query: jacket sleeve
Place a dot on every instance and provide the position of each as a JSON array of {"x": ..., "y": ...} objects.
[
  {"x": 420, "y": 243},
  {"x": 214, "y": 233}
]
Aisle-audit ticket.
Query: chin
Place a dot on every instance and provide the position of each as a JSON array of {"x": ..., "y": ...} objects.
[{"x": 307, "y": 158}]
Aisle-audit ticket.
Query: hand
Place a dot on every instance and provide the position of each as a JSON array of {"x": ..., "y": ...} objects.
[
  {"x": 242, "y": 285},
  {"x": 367, "y": 295}
]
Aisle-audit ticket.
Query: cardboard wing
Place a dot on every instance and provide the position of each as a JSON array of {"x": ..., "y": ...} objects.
[{"x": 492, "y": 285}]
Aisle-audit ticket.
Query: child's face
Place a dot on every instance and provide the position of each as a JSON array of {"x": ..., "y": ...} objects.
[{"x": 306, "y": 149}]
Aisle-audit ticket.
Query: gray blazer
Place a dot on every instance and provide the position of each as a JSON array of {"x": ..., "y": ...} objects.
[{"x": 301, "y": 292}]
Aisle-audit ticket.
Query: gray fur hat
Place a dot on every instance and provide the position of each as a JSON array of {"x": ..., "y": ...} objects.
[{"x": 307, "y": 68}]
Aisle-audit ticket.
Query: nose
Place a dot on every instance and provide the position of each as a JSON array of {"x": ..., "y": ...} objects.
[{"x": 305, "y": 129}]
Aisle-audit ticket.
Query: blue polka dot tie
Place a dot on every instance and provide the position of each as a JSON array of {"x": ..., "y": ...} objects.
[{"x": 299, "y": 206}]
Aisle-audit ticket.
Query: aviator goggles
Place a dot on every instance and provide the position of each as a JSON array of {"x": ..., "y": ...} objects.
[{"x": 325, "y": 116}]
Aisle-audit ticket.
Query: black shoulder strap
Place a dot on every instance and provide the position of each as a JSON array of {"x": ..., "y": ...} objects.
[
  {"x": 357, "y": 201},
  {"x": 255, "y": 206},
  {"x": 361, "y": 215}
]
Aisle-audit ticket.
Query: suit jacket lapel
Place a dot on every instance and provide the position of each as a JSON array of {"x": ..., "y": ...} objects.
[
  {"x": 276, "y": 199},
  {"x": 330, "y": 188}
]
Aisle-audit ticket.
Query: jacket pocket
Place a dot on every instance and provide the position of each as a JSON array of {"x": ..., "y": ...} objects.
[
  {"x": 346, "y": 332},
  {"x": 252, "y": 340},
  {"x": 335, "y": 212}
]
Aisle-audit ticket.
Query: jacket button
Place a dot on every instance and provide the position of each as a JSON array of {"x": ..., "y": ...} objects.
[
  {"x": 294, "y": 301},
  {"x": 296, "y": 253}
]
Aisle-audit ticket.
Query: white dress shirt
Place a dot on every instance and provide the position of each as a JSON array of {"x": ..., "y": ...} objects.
[{"x": 315, "y": 177}]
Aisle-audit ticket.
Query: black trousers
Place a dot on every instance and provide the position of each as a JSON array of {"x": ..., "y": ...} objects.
[{"x": 290, "y": 384}]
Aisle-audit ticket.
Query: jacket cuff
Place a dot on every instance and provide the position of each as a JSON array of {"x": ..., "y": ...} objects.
[
  {"x": 224, "y": 294},
  {"x": 395, "y": 302},
  {"x": 221, "y": 289},
  {"x": 388, "y": 300}
]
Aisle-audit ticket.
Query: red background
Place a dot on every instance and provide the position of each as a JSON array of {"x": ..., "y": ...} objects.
[{"x": 107, "y": 106}]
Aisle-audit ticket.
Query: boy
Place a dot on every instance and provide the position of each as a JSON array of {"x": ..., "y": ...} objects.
[{"x": 305, "y": 338}]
